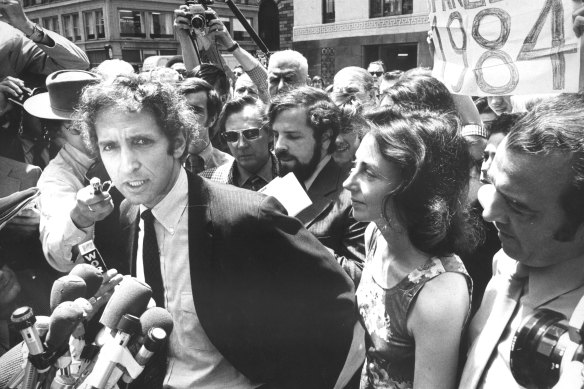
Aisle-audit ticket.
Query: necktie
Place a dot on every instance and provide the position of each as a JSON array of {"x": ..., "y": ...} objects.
[
  {"x": 254, "y": 183},
  {"x": 195, "y": 164},
  {"x": 151, "y": 259}
]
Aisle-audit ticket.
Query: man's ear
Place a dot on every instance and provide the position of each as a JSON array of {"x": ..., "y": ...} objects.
[{"x": 180, "y": 144}]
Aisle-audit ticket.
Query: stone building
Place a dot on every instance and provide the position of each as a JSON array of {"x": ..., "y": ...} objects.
[
  {"x": 128, "y": 29},
  {"x": 333, "y": 34}
]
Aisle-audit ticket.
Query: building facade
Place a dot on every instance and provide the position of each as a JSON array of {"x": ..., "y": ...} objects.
[
  {"x": 333, "y": 34},
  {"x": 132, "y": 30}
]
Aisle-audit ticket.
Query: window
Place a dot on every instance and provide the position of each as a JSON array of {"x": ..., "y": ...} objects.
[
  {"x": 239, "y": 33},
  {"x": 52, "y": 24},
  {"x": 328, "y": 11},
  {"x": 378, "y": 8},
  {"x": 131, "y": 23},
  {"x": 96, "y": 56},
  {"x": 71, "y": 27},
  {"x": 132, "y": 56},
  {"x": 94, "y": 26},
  {"x": 161, "y": 25}
]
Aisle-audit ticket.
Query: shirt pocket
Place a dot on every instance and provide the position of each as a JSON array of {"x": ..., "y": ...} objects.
[{"x": 192, "y": 334}]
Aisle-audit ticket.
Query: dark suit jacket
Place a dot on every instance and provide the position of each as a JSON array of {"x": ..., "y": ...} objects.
[
  {"x": 330, "y": 219},
  {"x": 270, "y": 298}
]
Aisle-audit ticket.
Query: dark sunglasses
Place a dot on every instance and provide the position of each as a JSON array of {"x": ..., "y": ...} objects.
[
  {"x": 249, "y": 134},
  {"x": 376, "y": 74}
]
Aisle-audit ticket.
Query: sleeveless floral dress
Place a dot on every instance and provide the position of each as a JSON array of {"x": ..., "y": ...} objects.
[{"x": 391, "y": 350}]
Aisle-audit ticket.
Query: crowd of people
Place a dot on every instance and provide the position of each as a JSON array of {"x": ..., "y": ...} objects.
[{"x": 438, "y": 222}]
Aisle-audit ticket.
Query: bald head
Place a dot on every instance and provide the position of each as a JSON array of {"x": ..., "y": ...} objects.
[{"x": 287, "y": 69}]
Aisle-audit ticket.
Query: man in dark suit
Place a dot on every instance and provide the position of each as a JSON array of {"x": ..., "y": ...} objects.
[
  {"x": 305, "y": 123},
  {"x": 256, "y": 299}
]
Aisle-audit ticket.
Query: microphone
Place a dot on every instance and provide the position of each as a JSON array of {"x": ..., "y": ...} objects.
[
  {"x": 12, "y": 362},
  {"x": 131, "y": 297},
  {"x": 91, "y": 256},
  {"x": 67, "y": 288},
  {"x": 92, "y": 277},
  {"x": 153, "y": 342},
  {"x": 156, "y": 317},
  {"x": 23, "y": 320},
  {"x": 114, "y": 352}
]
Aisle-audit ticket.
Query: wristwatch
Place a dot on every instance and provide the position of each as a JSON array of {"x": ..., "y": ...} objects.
[
  {"x": 37, "y": 34},
  {"x": 233, "y": 48}
]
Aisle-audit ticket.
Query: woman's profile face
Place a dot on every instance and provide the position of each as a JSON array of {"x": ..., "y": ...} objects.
[{"x": 371, "y": 179}]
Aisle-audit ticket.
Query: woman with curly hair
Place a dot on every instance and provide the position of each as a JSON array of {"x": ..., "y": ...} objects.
[{"x": 410, "y": 180}]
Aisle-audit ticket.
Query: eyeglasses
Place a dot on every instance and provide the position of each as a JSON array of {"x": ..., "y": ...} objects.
[
  {"x": 233, "y": 136},
  {"x": 376, "y": 74}
]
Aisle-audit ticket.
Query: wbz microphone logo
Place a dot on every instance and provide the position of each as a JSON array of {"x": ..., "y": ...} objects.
[{"x": 91, "y": 256}]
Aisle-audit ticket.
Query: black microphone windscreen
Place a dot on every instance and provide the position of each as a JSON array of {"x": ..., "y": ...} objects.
[
  {"x": 156, "y": 317},
  {"x": 11, "y": 364},
  {"x": 91, "y": 275},
  {"x": 64, "y": 319},
  {"x": 67, "y": 288},
  {"x": 131, "y": 296}
]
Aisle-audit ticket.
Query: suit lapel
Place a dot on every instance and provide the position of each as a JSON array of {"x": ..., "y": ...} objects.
[
  {"x": 483, "y": 347},
  {"x": 322, "y": 192}
]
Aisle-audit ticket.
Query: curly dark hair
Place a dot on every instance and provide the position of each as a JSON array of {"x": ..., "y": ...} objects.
[
  {"x": 322, "y": 114},
  {"x": 132, "y": 93},
  {"x": 433, "y": 159}
]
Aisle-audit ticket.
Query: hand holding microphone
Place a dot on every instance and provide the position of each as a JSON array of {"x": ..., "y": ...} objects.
[{"x": 94, "y": 203}]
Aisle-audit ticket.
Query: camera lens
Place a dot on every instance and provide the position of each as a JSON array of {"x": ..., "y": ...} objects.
[
  {"x": 198, "y": 21},
  {"x": 537, "y": 349}
]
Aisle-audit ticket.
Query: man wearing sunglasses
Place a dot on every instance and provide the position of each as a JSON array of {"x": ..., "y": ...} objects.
[{"x": 241, "y": 126}]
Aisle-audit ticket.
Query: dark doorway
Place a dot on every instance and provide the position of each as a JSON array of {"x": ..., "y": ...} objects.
[
  {"x": 269, "y": 24},
  {"x": 395, "y": 57}
]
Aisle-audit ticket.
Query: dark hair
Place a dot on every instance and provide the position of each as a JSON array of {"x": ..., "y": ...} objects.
[
  {"x": 555, "y": 126},
  {"x": 195, "y": 85},
  {"x": 421, "y": 92},
  {"x": 237, "y": 105},
  {"x": 214, "y": 75},
  {"x": 322, "y": 114},
  {"x": 133, "y": 94},
  {"x": 482, "y": 105},
  {"x": 352, "y": 120},
  {"x": 503, "y": 123},
  {"x": 430, "y": 202},
  {"x": 173, "y": 60},
  {"x": 392, "y": 75}
]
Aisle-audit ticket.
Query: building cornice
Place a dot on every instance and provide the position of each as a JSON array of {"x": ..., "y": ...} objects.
[{"x": 365, "y": 27}]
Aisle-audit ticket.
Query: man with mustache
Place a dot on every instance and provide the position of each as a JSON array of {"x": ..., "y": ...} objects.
[{"x": 305, "y": 123}]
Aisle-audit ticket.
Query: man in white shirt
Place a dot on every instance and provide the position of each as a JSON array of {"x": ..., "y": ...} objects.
[
  {"x": 535, "y": 198},
  {"x": 255, "y": 299}
]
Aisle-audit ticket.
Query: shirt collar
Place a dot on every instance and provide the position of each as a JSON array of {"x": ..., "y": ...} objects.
[
  {"x": 78, "y": 156},
  {"x": 265, "y": 173},
  {"x": 207, "y": 154},
  {"x": 170, "y": 209},
  {"x": 318, "y": 169}
]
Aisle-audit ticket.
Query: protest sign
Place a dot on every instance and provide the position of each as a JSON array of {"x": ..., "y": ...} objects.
[{"x": 505, "y": 47}]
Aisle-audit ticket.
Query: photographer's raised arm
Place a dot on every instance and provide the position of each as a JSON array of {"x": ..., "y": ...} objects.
[
  {"x": 182, "y": 26},
  {"x": 42, "y": 53}
]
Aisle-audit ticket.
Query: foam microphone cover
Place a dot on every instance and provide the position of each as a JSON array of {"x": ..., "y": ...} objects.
[
  {"x": 64, "y": 320},
  {"x": 156, "y": 317},
  {"x": 91, "y": 275},
  {"x": 131, "y": 296},
  {"x": 67, "y": 288}
]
